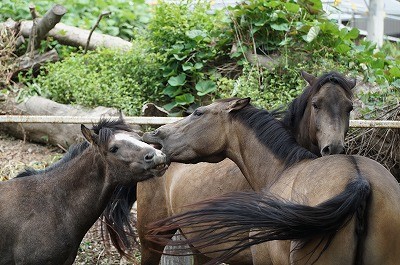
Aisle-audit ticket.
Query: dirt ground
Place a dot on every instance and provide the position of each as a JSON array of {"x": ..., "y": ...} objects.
[{"x": 15, "y": 155}]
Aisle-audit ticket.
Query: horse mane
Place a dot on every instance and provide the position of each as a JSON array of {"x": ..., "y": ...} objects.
[
  {"x": 298, "y": 106},
  {"x": 113, "y": 125},
  {"x": 273, "y": 134},
  {"x": 72, "y": 152},
  {"x": 103, "y": 128}
]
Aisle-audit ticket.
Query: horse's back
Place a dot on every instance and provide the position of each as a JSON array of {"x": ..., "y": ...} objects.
[{"x": 326, "y": 177}]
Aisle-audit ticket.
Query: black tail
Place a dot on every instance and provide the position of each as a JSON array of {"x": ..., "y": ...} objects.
[
  {"x": 231, "y": 217},
  {"x": 116, "y": 217}
]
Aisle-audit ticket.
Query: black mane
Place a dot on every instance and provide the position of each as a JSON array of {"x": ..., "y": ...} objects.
[
  {"x": 273, "y": 134},
  {"x": 298, "y": 106},
  {"x": 104, "y": 129}
]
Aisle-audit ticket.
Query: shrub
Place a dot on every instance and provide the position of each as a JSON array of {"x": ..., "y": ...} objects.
[
  {"x": 124, "y": 80},
  {"x": 193, "y": 39},
  {"x": 304, "y": 38}
]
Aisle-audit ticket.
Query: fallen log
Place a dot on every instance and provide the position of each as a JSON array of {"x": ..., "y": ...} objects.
[
  {"x": 26, "y": 62},
  {"x": 73, "y": 36},
  {"x": 56, "y": 134}
]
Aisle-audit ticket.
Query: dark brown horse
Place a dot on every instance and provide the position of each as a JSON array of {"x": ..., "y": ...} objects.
[
  {"x": 45, "y": 214},
  {"x": 319, "y": 127},
  {"x": 334, "y": 209}
]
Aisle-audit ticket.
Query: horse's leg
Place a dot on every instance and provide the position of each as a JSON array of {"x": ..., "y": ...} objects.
[{"x": 151, "y": 206}]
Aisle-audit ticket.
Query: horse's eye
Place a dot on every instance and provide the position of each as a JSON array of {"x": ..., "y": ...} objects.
[
  {"x": 315, "y": 106},
  {"x": 114, "y": 149},
  {"x": 197, "y": 113}
]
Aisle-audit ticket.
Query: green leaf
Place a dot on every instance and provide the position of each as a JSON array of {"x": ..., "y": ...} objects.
[
  {"x": 312, "y": 34},
  {"x": 205, "y": 86},
  {"x": 198, "y": 66},
  {"x": 172, "y": 91},
  {"x": 184, "y": 99},
  {"x": 170, "y": 106},
  {"x": 196, "y": 34},
  {"x": 180, "y": 58},
  {"x": 342, "y": 48},
  {"x": 272, "y": 3},
  {"x": 187, "y": 66},
  {"x": 395, "y": 71},
  {"x": 353, "y": 34},
  {"x": 280, "y": 27},
  {"x": 291, "y": 7},
  {"x": 179, "y": 80},
  {"x": 396, "y": 83}
]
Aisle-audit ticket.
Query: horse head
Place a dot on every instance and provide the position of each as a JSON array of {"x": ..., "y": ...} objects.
[
  {"x": 128, "y": 158},
  {"x": 199, "y": 135},
  {"x": 324, "y": 108}
]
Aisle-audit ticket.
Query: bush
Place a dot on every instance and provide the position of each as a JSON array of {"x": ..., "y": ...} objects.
[
  {"x": 124, "y": 80},
  {"x": 304, "y": 38},
  {"x": 125, "y": 16},
  {"x": 193, "y": 39}
]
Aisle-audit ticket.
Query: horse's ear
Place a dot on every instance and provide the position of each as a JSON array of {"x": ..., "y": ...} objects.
[
  {"x": 88, "y": 134},
  {"x": 238, "y": 104},
  {"x": 308, "y": 77},
  {"x": 120, "y": 115},
  {"x": 352, "y": 83}
]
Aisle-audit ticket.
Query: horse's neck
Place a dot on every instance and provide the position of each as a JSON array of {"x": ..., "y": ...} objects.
[
  {"x": 85, "y": 189},
  {"x": 257, "y": 163}
]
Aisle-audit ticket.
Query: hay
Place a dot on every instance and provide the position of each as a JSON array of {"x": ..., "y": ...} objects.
[
  {"x": 8, "y": 41},
  {"x": 382, "y": 145}
]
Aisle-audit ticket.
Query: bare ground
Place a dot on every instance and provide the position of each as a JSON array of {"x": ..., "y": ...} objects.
[{"x": 16, "y": 155}]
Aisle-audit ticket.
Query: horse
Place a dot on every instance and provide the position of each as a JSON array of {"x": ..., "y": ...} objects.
[
  {"x": 321, "y": 130},
  {"x": 337, "y": 209},
  {"x": 44, "y": 214}
]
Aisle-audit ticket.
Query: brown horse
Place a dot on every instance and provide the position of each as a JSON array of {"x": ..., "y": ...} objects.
[
  {"x": 45, "y": 214},
  {"x": 334, "y": 209},
  {"x": 320, "y": 129}
]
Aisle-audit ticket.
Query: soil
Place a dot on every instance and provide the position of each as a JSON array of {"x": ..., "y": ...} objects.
[{"x": 16, "y": 155}]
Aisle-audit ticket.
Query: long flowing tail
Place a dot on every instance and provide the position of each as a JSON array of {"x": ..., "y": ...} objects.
[
  {"x": 228, "y": 218},
  {"x": 116, "y": 219}
]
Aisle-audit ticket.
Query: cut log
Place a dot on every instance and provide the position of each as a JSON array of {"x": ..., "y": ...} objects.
[
  {"x": 44, "y": 25},
  {"x": 73, "y": 36},
  {"x": 56, "y": 134}
]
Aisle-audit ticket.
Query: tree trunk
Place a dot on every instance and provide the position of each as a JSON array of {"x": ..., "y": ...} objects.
[{"x": 44, "y": 25}]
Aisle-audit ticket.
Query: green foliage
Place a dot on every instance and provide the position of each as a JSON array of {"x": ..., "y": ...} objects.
[
  {"x": 178, "y": 48},
  {"x": 268, "y": 88},
  {"x": 125, "y": 16},
  {"x": 192, "y": 38},
  {"x": 300, "y": 33},
  {"x": 124, "y": 80}
]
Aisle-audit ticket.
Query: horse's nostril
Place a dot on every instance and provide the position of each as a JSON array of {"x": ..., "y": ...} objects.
[
  {"x": 149, "y": 157},
  {"x": 326, "y": 150}
]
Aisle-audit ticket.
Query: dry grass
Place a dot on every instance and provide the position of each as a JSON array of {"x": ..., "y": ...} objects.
[
  {"x": 382, "y": 145},
  {"x": 7, "y": 57}
]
